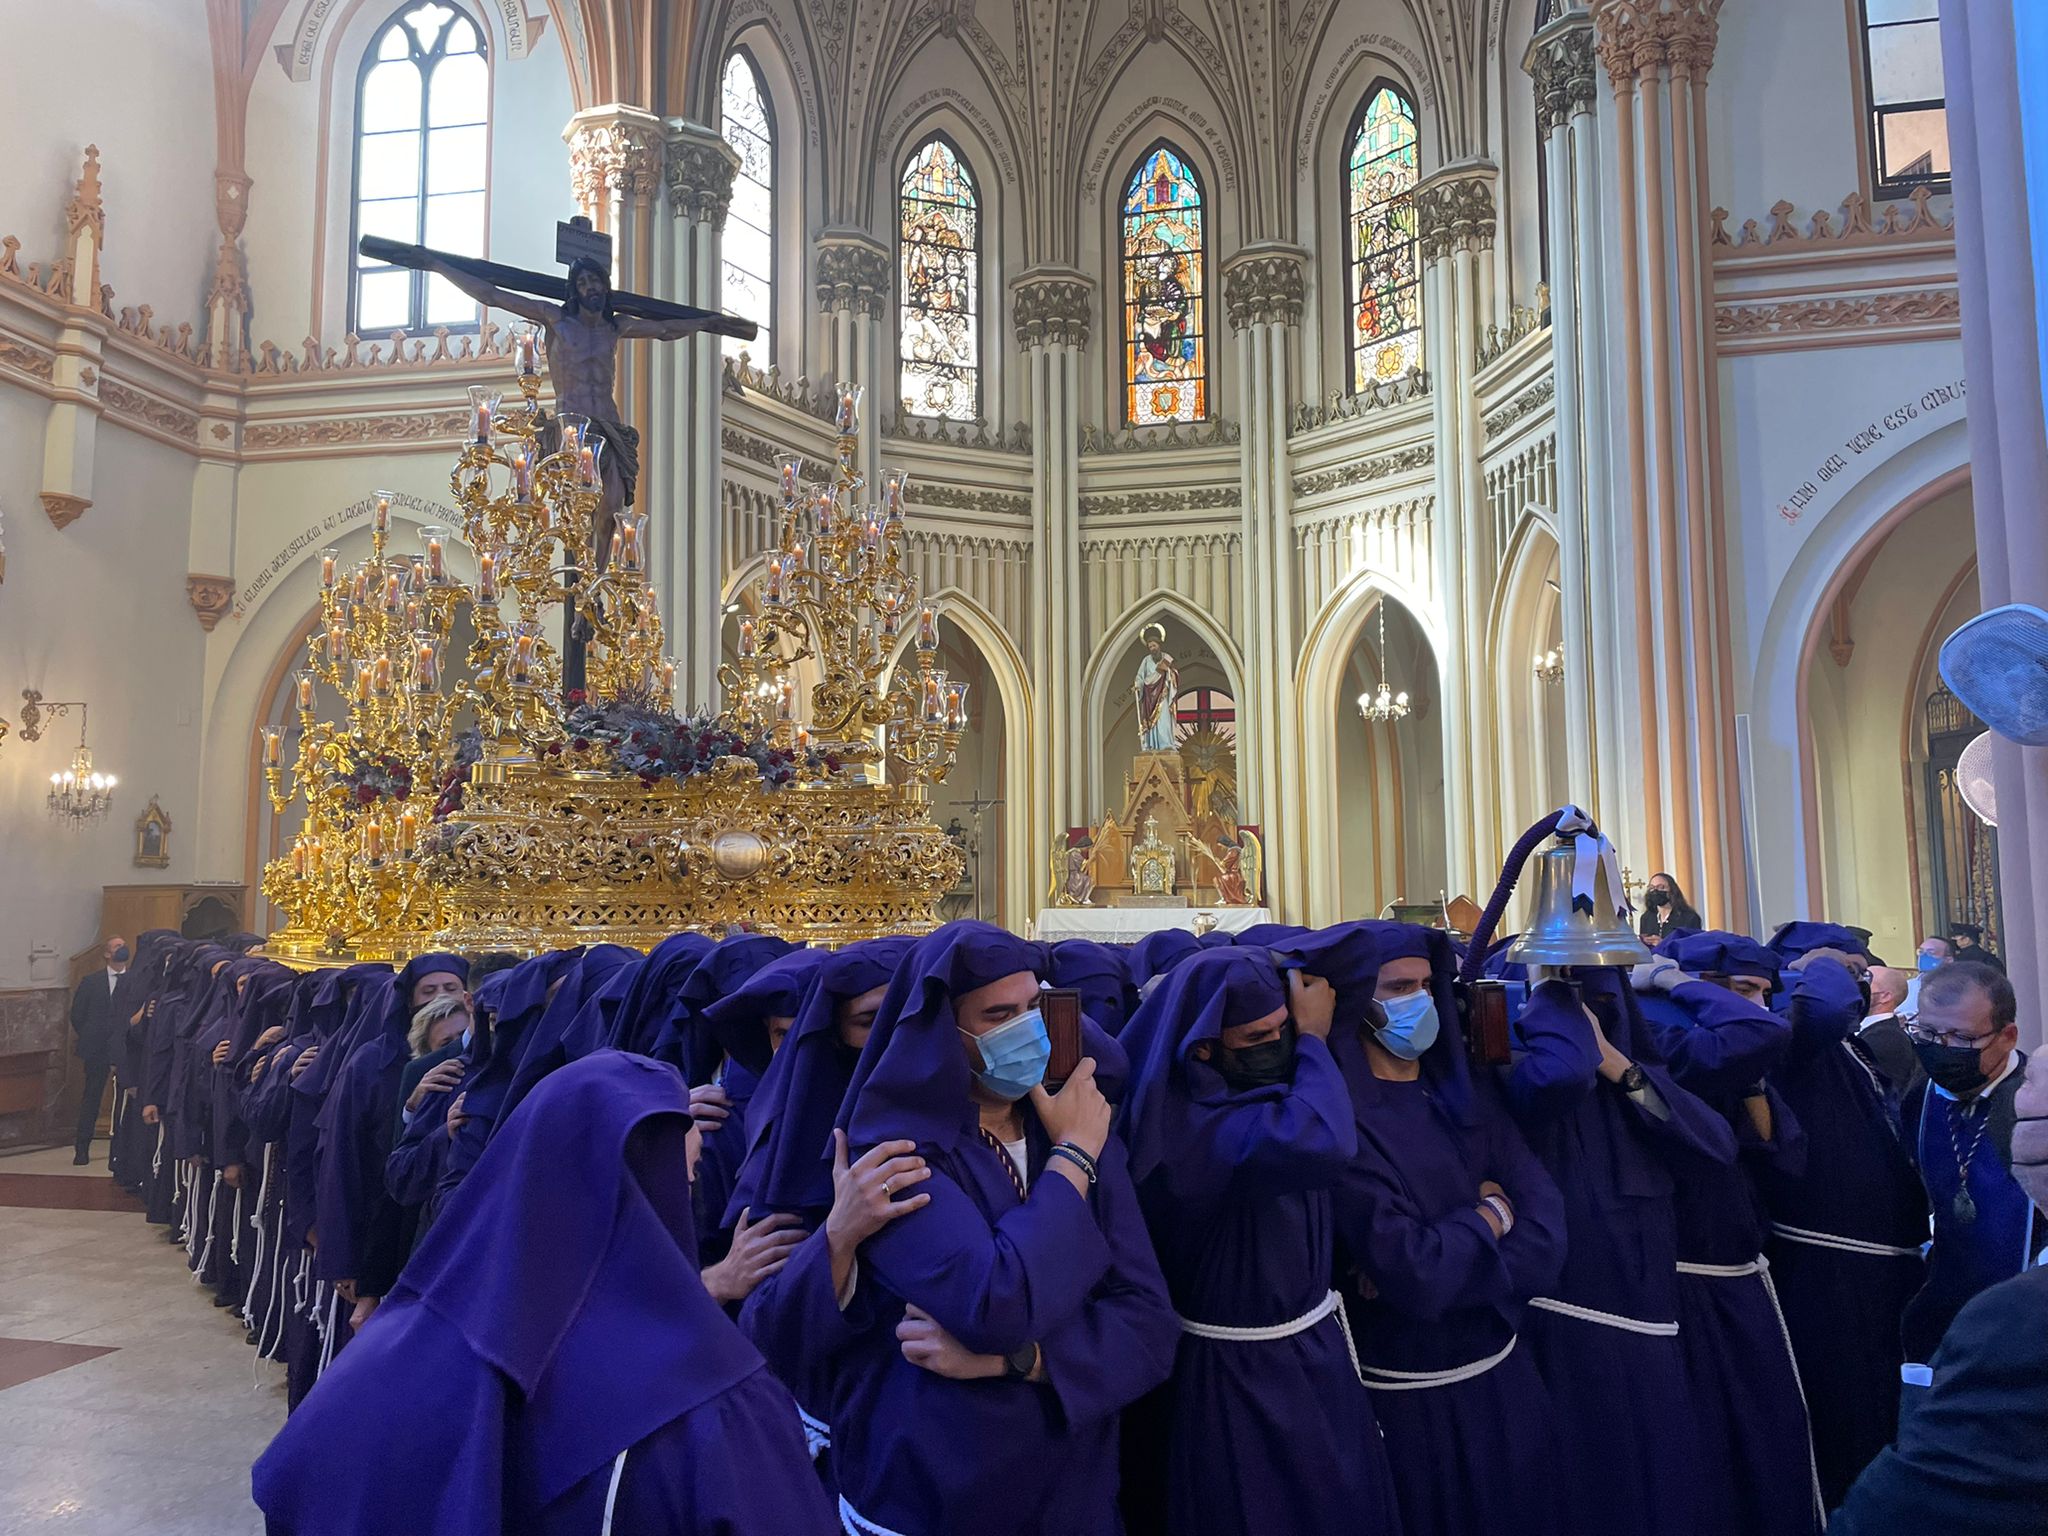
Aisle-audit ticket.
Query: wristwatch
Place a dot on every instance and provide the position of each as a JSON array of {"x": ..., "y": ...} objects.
[
  {"x": 1020, "y": 1363},
  {"x": 1635, "y": 1079}
]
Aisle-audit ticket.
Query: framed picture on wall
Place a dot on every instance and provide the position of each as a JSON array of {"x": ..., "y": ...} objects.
[{"x": 153, "y": 838}]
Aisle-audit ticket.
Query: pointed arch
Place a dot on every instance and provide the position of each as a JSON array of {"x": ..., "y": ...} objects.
[
  {"x": 746, "y": 121},
  {"x": 1099, "y": 676},
  {"x": 1162, "y": 250},
  {"x": 1521, "y": 626},
  {"x": 939, "y": 282},
  {"x": 1382, "y": 264}
]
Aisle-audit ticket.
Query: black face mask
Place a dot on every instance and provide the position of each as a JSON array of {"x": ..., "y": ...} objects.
[
  {"x": 1958, "y": 1068},
  {"x": 1258, "y": 1066},
  {"x": 1658, "y": 898}
]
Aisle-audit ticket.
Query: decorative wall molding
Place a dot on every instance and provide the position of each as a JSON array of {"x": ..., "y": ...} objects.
[
  {"x": 150, "y": 411},
  {"x": 966, "y": 499},
  {"x": 1364, "y": 471},
  {"x": 755, "y": 450},
  {"x": 614, "y": 151},
  {"x": 34, "y": 361},
  {"x": 1051, "y": 309},
  {"x": 1900, "y": 310},
  {"x": 1915, "y": 221},
  {"x": 740, "y": 376},
  {"x": 407, "y": 352},
  {"x": 1522, "y": 324},
  {"x": 1638, "y": 37},
  {"x": 958, "y": 434},
  {"x": 1379, "y": 395},
  {"x": 1215, "y": 433},
  {"x": 1565, "y": 71},
  {"x": 64, "y": 510},
  {"x": 1529, "y": 401},
  {"x": 211, "y": 597},
  {"x": 1140, "y": 503},
  {"x": 414, "y": 428}
]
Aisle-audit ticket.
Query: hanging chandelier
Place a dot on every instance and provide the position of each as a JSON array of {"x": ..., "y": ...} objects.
[
  {"x": 1550, "y": 665},
  {"x": 77, "y": 795},
  {"x": 1385, "y": 706}
]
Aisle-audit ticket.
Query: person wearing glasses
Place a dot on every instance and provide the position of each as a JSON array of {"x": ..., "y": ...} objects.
[{"x": 1959, "y": 1127}]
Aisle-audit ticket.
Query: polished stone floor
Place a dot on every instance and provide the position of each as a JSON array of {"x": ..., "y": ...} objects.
[{"x": 128, "y": 1402}]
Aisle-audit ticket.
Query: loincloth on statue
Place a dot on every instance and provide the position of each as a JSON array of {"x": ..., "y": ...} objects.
[{"x": 622, "y": 449}]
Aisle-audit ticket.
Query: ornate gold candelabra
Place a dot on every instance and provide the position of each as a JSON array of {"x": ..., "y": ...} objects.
[{"x": 359, "y": 880}]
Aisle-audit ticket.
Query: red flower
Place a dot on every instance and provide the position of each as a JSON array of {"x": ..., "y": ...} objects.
[
  {"x": 577, "y": 695},
  {"x": 580, "y": 744},
  {"x": 365, "y": 793}
]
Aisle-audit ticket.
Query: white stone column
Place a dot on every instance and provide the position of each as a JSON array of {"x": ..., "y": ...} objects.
[
  {"x": 1049, "y": 310},
  {"x": 1561, "y": 62},
  {"x": 71, "y": 432},
  {"x": 684, "y": 471},
  {"x": 615, "y": 158},
  {"x": 853, "y": 289},
  {"x": 1264, "y": 285},
  {"x": 1455, "y": 221}
]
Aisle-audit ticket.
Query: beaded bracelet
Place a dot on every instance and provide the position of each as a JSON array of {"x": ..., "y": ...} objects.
[
  {"x": 1501, "y": 1209},
  {"x": 1077, "y": 1157}
]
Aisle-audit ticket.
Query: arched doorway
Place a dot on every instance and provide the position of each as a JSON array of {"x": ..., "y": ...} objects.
[
  {"x": 1387, "y": 825},
  {"x": 1882, "y": 814},
  {"x": 1528, "y": 680}
]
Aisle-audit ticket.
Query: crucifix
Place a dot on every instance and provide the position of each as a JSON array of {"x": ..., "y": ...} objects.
[
  {"x": 584, "y": 320},
  {"x": 977, "y": 809}
]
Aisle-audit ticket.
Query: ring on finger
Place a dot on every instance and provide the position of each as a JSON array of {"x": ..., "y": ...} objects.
[{"x": 889, "y": 1185}]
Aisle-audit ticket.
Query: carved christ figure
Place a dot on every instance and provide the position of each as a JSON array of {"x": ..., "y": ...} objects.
[
  {"x": 1157, "y": 688},
  {"x": 583, "y": 336}
]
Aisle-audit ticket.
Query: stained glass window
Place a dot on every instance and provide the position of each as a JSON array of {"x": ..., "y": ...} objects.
[
  {"x": 749, "y": 239},
  {"x": 1165, "y": 350},
  {"x": 1907, "y": 99},
  {"x": 1380, "y": 172},
  {"x": 422, "y": 130},
  {"x": 939, "y": 224}
]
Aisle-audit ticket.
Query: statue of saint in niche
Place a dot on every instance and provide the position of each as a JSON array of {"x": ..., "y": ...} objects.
[{"x": 1157, "y": 687}]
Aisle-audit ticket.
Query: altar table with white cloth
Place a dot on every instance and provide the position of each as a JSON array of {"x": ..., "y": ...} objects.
[{"x": 1127, "y": 925}]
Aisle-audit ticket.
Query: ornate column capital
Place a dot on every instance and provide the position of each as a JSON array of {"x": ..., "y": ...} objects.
[
  {"x": 700, "y": 172},
  {"x": 1454, "y": 210},
  {"x": 1265, "y": 284},
  {"x": 1562, "y": 63},
  {"x": 1639, "y": 37},
  {"x": 853, "y": 273},
  {"x": 614, "y": 152},
  {"x": 1050, "y": 307}
]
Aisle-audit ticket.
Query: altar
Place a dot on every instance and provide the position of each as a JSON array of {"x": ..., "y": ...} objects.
[{"x": 1127, "y": 925}]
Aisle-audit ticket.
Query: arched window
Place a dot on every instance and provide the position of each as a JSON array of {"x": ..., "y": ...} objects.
[
  {"x": 1381, "y": 166},
  {"x": 422, "y": 149},
  {"x": 938, "y": 221},
  {"x": 1904, "y": 94},
  {"x": 1166, "y": 372},
  {"x": 749, "y": 239}
]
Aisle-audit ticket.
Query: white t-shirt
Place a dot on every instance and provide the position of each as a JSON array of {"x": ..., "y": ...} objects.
[{"x": 1019, "y": 1154}]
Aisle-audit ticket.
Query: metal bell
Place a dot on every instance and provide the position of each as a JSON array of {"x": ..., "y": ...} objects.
[{"x": 1557, "y": 934}]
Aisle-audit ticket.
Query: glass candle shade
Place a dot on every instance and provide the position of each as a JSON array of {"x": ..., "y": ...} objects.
[
  {"x": 846, "y": 413},
  {"x": 381, "y": 513},
  {"x": 788, "y": 473},
  {"x": 273, "y": 747},
  {"x": 434, "y": 545},
  {"x": 302, "y": 682},
  {"x": 928, "y": 627},
  {"x": 483, "y": 405},
  {"x": 330, "y": 564},
  {"x": 956, "y": 706},
  {"x": 894, "y": 483}
]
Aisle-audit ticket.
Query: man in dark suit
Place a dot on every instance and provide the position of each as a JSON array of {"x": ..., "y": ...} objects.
[
  {"x": 99, "y": 1036},
  {"x": 1883, "y": 1036},
  {"x": 1967, "y": 940},
  {"x": 1972, "y": 1459}
]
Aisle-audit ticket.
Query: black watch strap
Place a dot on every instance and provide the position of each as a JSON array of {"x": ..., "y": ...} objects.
[
  {"x": 1020, "y": 1363},
  {"x": 1635, "y": 1079}
]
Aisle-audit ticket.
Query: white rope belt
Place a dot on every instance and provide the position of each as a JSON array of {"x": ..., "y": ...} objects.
[
  {"x": 1415, "y": 1381},
  {"x": 156, "y": 1158},
  {"x": 235, "y": 1227},
  {"x": 1301, "y": 1324},
  {"x": 817, "y": 1433},
  {"x": 1842, "y": 1244},
  {"x": 1605, "y": 1319},
  {"x": 1755, "y": 1266},
  {"x": 206, "y": 1248},
  {"x": 611, "y": 1494},
  {"x": 1332, "y": 1302},
  {"x": 854, "y": 1523}
]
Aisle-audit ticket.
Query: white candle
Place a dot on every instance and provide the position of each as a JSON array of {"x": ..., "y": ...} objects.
[
  {"x": 746, "y": 639},
  {"x": 487, "y": 577}
]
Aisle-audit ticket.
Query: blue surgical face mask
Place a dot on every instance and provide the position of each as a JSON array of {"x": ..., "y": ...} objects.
[
  {"x": 1014, "y": 1056},
  {"x": 1929, "y": 962},
  {"x": 1411, "y": 1025}
]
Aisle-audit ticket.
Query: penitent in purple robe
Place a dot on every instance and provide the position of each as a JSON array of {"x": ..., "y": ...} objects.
[
  {"x": 1268, "y": 1436},
  {"x": 1750, "y": 1412},
  {"x": 1606, "y": 1338},
  {"x": 1847, "y": 1230},
  {"x": 1436, "y": 1300},
  {"x": 923, "y": 1455},
  {"x": 550, "y": 1363}
]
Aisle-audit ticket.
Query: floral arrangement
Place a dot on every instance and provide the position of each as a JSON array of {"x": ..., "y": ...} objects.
[
  {"x": 372, "y": 778},
  {"x": 654, "y": 744},
  {"x": 469, "y": 748}
]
